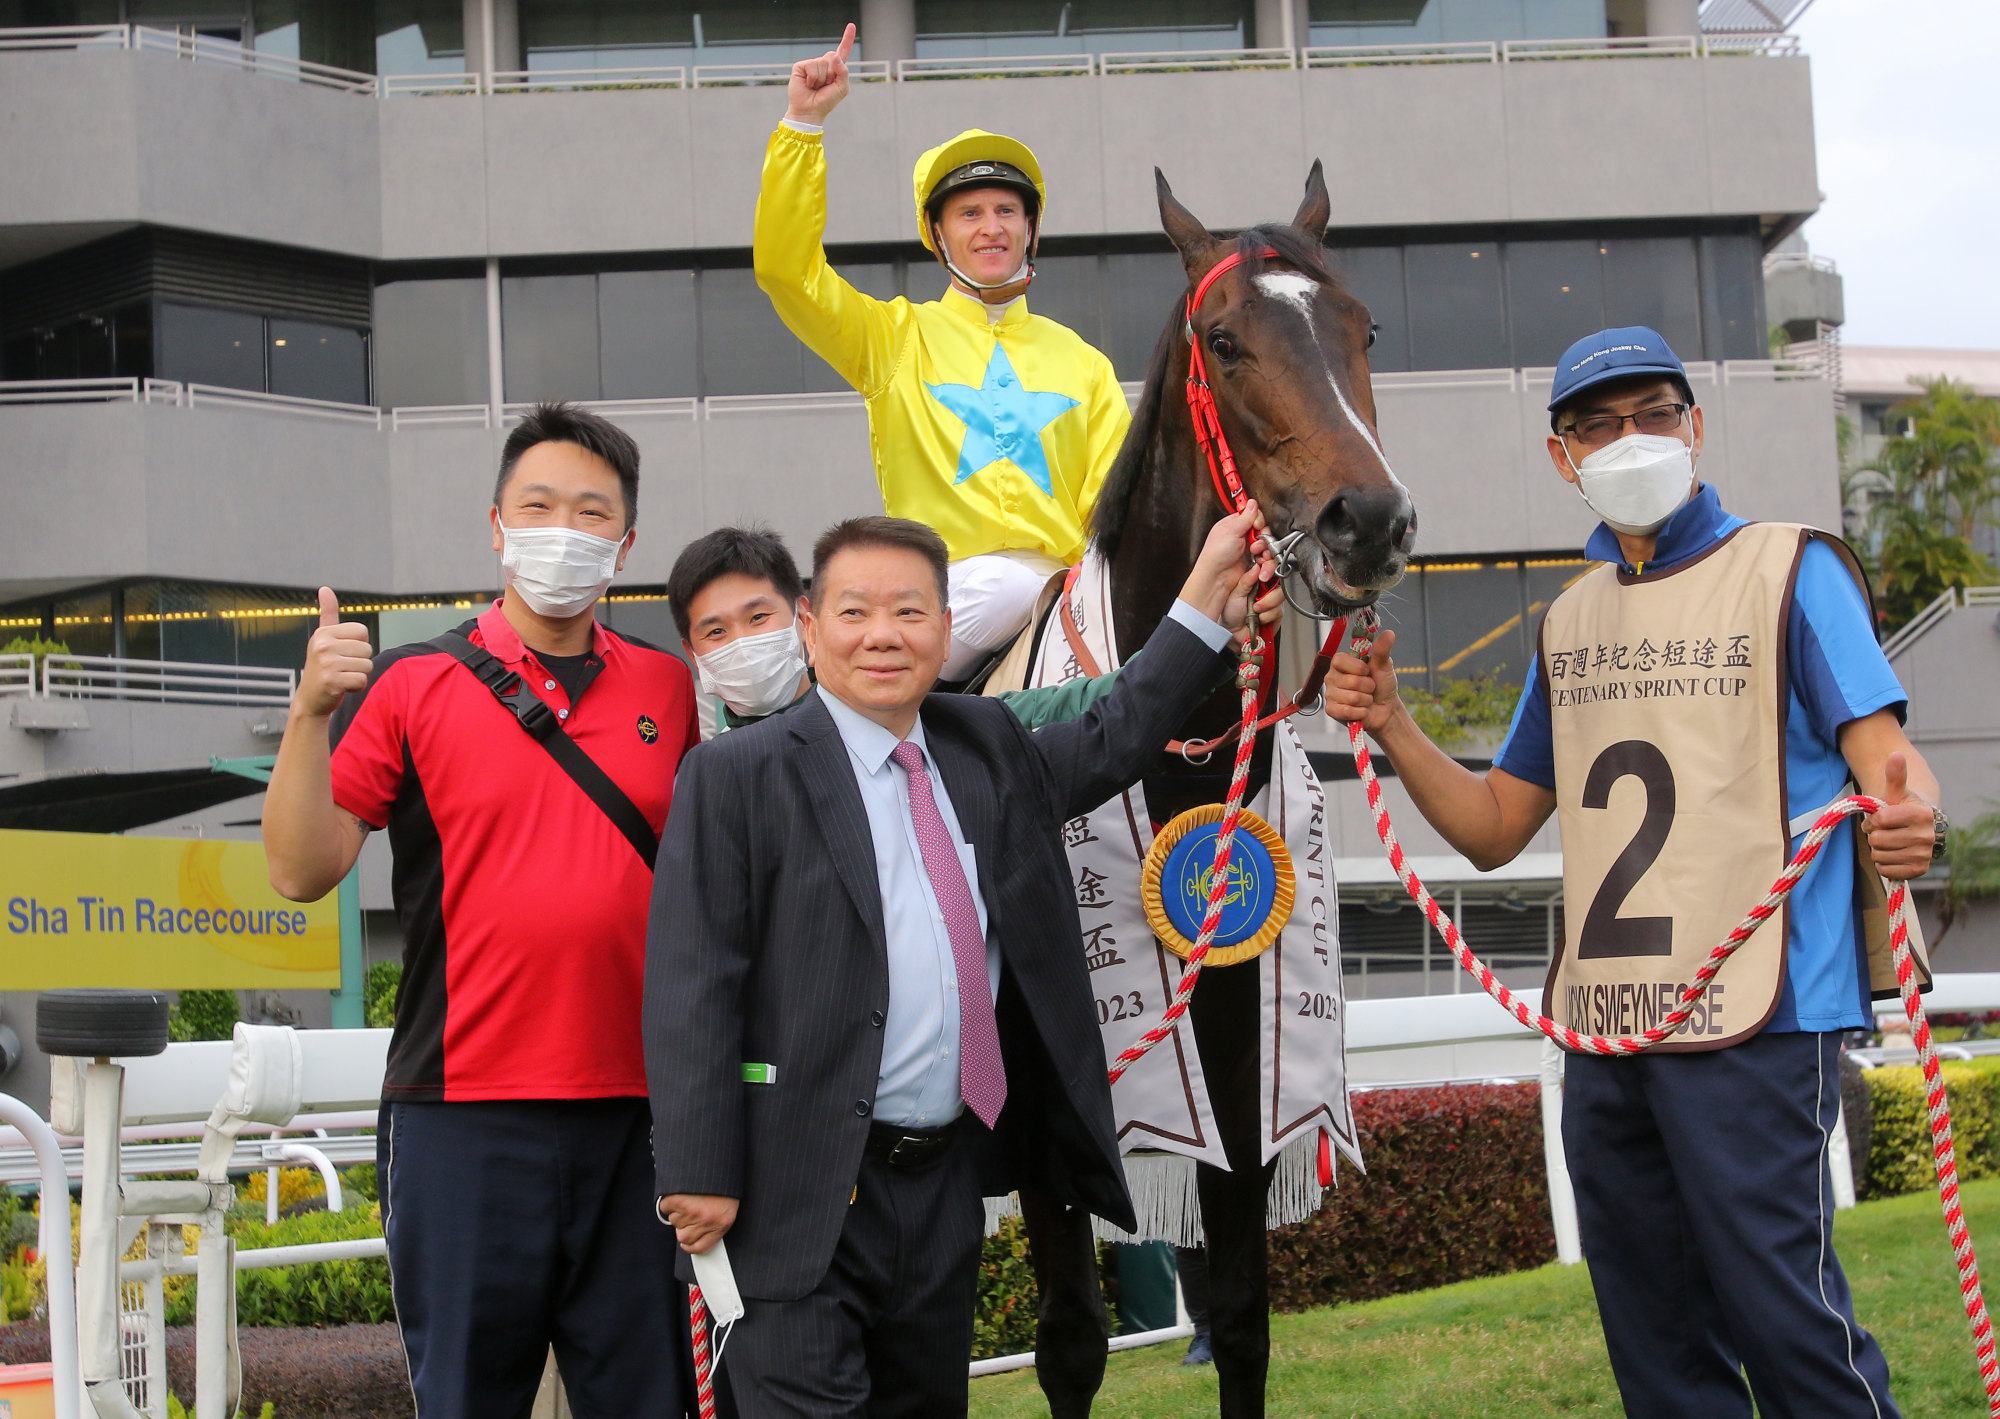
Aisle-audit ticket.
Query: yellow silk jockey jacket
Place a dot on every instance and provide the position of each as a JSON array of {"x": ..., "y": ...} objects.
[{"x": 998, "y": 435}]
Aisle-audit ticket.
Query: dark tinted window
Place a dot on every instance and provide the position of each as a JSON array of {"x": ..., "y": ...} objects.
[
  {"x": 1732, "y": 297},
  {"x": 200, "y": 345},
  {"x": 1067, "y": 289},
  {"x": 745, "y": 348},
  {"x": 1374, "y": 276},
  {"x": 548, "y": 328},
  {"x": 430, "y": 342},
  {"x": 1654, "y": 281},
  {"x": 1457, "y": 316},
  {"x": 1555, "y": 296},
  {"x": 1140, "y": 289},
  {"x": 318, "y": 361},
  {"x": 646, "y": 329}
]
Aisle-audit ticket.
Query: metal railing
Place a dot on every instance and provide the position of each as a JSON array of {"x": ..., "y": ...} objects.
[
  {"x": 1514, "y": 51},
  {"x": 1173, "y": 61},
  {"x": 204, "y": 49},
  {"x": 1807, "y": 363},
  {"x": 107, "y": 677},
  {"x": 90, "y": 391},
  {"x": 193, "y": 395},
  {"x": 997, "y": 66},
  {"x": 1342, "y": 56},
  {"x": 1798, "y": 261},
  {"x": 725, "y": 76},
  {"x": 1948, "y": 600},
  {"x": 17, "y": 674},
  {"x": 682, "y": 410},
  {"x": 522, "y": 81},
  {"x": 721, "y": 406}
]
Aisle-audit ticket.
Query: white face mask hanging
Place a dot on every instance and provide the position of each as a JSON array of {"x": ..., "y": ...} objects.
[
  {"x": 558, "y": 571},
  {"x": 755, "y": 675},
  {"x": 1637, "y": 482}
]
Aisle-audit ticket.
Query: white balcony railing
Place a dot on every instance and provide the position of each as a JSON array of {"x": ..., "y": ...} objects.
[
  {"x": 669, "y": 76},
  {"x": 997, "y": 66},
  {"x": 1338, "y": 56},
  {"x": 1173, "y": 60},
  {"x": 104, "y": 677},
  {"x": 203, "y": 49},
  {"x": 17, "y": 674},
  {"x": 725, "y": 76},
  {"x": 1808, "y": 363}
]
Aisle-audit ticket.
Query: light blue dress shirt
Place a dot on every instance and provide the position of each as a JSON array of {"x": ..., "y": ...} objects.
[{"x": 918, "y": 1086}]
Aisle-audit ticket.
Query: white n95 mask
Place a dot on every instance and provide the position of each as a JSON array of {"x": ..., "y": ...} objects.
[
  {"x": 557, "y": 570},
  {"x": 755, "y": 675},
  {"x": 1637, "y": 482}
]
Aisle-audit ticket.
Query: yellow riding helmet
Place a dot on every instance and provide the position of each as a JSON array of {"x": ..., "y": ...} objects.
[{"x": 972, "y": 150}]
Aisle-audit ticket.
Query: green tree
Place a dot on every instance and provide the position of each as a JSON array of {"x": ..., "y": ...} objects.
[{"x": 1936, "y": 483}]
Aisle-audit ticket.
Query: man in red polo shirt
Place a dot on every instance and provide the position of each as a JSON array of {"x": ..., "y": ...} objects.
[{"x": 515, "y": 1147}]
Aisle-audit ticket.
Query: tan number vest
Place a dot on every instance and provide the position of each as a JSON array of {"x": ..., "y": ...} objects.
[{"x": 1667, "y": 702}]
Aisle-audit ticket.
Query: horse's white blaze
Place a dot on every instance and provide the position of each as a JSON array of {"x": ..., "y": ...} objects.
[{"x": 1297, "y": 292}]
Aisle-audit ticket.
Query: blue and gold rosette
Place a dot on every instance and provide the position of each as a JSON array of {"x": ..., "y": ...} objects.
[{"x": 1179, "y": 870}]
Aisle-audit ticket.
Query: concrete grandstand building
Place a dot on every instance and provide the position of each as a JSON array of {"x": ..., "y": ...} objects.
[{"x": 275, "y": 277}]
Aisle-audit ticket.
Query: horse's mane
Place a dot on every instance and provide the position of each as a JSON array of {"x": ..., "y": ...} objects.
[{"x": 1296, "y": 250}]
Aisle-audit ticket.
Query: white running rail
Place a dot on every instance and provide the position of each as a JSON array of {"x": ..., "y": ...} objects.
[{"x": 53, "y": 1241}]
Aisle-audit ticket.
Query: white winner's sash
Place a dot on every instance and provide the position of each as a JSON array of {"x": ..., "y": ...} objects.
[{"x": 1165, "y": 1123}]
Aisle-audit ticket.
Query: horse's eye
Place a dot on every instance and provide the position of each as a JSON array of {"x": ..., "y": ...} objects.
[
  {"x": 1373, "y": 331},
  {"x": 1224, "y": 347}
]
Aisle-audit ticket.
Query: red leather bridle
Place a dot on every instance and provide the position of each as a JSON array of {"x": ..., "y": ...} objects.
[{"x": 1201, "y": 399}]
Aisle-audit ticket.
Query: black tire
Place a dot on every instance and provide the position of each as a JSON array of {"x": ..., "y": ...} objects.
[{"x": 99, "y": 1024}]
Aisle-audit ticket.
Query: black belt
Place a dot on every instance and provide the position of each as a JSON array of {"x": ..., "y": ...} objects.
[{"x": 901, "y": 1147}]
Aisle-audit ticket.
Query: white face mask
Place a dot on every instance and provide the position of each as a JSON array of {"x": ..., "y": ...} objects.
[
  {"x": 557, "y": 570},
  {"x": 755, "y": 675},
  {"x": 1637, "y": 482}
]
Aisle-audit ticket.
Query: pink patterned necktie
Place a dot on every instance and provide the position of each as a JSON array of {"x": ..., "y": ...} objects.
[{"x": 982, "y": 1077}]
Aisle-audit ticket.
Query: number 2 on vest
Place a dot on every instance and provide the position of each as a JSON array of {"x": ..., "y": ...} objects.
[{"x": 1605, "y": 933}]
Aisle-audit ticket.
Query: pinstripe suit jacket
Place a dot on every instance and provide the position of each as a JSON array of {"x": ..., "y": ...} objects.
[{"x": 765, "y": 945}]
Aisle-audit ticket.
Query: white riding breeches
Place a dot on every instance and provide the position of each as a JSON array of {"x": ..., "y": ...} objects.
[{"x": 992, "y": 597}]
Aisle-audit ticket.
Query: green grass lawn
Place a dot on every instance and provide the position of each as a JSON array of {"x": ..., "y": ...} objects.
[{"x": 1528, "y": 1345}]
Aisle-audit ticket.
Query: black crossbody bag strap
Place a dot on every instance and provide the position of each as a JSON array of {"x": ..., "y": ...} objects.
[{"x": 546, "y": 730}]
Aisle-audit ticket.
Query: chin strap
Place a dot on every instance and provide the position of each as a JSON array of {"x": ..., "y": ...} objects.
[{"x": 992, "y": 293}]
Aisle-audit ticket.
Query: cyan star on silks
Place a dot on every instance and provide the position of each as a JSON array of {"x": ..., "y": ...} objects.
[{"x": 1003, "y": 420}]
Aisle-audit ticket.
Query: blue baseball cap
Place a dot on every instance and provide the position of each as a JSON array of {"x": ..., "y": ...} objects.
[{"x": 1613, "y": 354}]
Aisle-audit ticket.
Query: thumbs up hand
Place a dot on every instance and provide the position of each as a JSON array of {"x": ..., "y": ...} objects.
[
  {"x": 337, "y": 660},
  {"x": 1901, "y": 836}
]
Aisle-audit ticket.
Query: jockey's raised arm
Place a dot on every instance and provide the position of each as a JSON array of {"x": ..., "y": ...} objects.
[{"x": 993, "y": 425}]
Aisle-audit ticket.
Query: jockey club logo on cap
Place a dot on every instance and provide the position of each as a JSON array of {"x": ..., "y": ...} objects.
[
  {"x": 1003, "y": 421},
  {"x": 649, "y": 729}
]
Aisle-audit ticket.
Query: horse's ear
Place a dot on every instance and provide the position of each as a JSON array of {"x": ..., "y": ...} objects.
[
  {"x": 1317, "y": 209},
  {"x": 1184, "y": 229}
]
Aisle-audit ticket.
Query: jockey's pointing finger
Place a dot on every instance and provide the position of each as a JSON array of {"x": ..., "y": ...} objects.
[{"x": 846, "y": 45}]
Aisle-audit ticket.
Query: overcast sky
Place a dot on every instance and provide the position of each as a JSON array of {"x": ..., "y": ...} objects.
[{"x": 1906, "y": 101}]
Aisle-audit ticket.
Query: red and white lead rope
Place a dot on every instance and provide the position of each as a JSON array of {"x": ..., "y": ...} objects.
[
  {"x": 1944, "y": 1154},
  {"x": 1247, "y": 675},
  {"x": 704, "y": 1367}
]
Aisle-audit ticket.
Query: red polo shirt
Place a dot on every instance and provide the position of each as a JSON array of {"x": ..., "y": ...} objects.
[{"x": 523, "y": 907}]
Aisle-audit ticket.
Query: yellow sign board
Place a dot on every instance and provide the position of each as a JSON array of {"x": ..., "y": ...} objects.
[{"x": 92, "y": 909}]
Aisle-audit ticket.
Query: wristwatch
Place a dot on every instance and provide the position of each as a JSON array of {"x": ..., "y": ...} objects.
[{"x": 1941, "y": 827}]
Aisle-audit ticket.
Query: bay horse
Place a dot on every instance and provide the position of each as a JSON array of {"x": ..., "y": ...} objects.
[{"x": 1286, "y": 348}]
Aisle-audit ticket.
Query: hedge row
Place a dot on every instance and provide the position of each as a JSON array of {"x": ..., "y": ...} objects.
[
  {"x": 1889, "y": 1124},
  {"x": 1456, "y": 1187}
]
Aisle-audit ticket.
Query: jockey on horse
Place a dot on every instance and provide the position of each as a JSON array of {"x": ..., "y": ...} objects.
[{"x": 993, "y": 425}]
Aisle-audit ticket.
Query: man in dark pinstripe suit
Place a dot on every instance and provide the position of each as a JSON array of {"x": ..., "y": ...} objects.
[{"x": 866, "y": 1000}]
